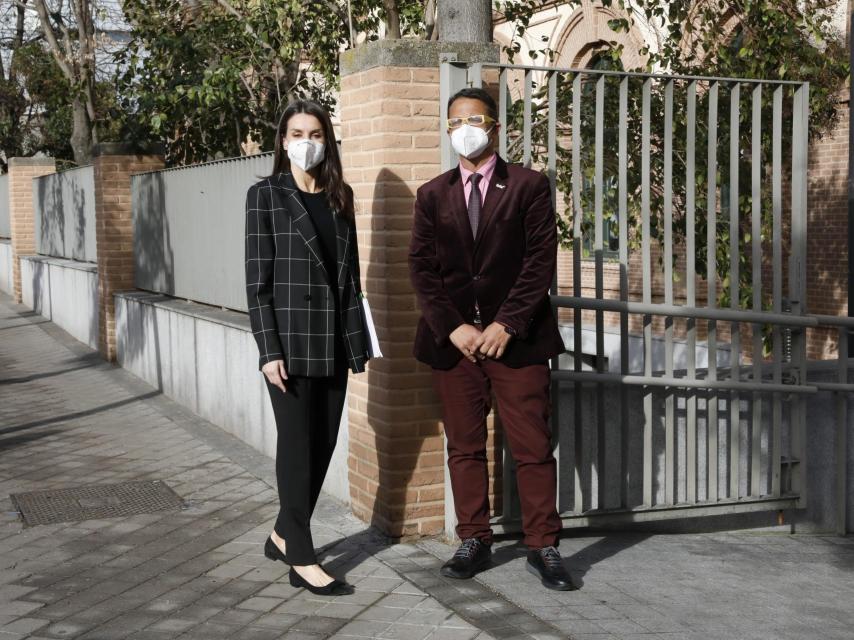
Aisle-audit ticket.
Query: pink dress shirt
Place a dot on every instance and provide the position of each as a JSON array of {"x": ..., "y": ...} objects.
[{"x": 486, "y": 171}]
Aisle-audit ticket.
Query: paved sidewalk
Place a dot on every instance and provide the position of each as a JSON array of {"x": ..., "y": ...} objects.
[{"x": 68, "y": 419}]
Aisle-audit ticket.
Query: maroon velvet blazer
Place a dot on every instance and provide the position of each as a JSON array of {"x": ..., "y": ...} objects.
[{"x": 508, "y": 267}]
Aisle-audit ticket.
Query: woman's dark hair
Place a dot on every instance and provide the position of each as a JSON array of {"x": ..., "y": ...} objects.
[
  {"x": 331, "y": 177},
  {"x": 477, "y": 94}
]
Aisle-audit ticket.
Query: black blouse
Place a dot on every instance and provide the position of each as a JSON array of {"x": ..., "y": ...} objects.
[{"x": 321, "y": 215}]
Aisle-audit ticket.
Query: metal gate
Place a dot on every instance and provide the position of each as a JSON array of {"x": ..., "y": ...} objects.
[{"x": 683, "y": 390}]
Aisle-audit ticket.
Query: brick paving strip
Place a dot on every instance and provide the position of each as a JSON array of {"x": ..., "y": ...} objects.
[{"x": 69, "y": 419}]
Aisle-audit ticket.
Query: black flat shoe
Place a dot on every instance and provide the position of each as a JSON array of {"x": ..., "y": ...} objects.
[
  {"x": 472, "y": 556},
  {"x": 547, "y": 565},
  {"x": 272, "y": 551},
  {"x": 334, "y": 588}
]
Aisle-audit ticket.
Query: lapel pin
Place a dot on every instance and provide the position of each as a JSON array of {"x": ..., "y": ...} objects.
[{"x": 500, "y": 185}]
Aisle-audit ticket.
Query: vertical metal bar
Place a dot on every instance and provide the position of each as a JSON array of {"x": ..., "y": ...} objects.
[
  {"x": 777, "y": 284},
  {"x": 647, "y": 290},
  {"x": 551, "y": 168},
  {"x": 842, "y": 437},
  {"x": 624, "y": 289},
  {"x": 502, "y": 112},
  {"x": 579, "y": 470},
  {"x": 551, "y": 165},
  {"x": 734, "y": 277},
  {"x": 600, "y": 472},
  {"x": 797, "y": 277},
  {"x": 526, "y": 120},
  {"x": 669, "y": 431},
  {"x": 756, "y": 273},
  {"x": 475, "y": 75},
  {"x": 452, "y": 78},
  {"x": 690, "y": 291},
  {"x": 711, "y": 275}
]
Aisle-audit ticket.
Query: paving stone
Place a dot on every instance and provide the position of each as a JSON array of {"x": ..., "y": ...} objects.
[
  {"x": 258, "y": 603},
  {"x": 318, "y": 624},
  {"x": 364, "y": 628}
]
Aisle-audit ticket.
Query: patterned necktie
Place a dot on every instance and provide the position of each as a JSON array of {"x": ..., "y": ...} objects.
[{"x": 474, "y": 205}]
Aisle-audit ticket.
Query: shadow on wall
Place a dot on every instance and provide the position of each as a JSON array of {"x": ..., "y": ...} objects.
[
  {"x": 153, "y": 267},
  {"x": 78, "y": 248},
  {"x": 41, "y": 287},
  {"x": 50, "y": 215},
  {"x": 55, "y": 210},
  {"x": 396, "y": 465},
  {"x": 827, "y": 259},
  {"x": 153, "y": 253}
]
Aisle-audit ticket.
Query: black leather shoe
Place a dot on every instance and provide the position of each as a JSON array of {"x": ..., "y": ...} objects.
[
  {"x": 334, "y": 588},
  {"x": 547, "y": 565},
  {"x": 273, "y": 552},
  {"x": 472, "y": 556}
]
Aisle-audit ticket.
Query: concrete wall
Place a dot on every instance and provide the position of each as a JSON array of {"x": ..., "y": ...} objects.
[
  {"x": 5, "y": 227},
  {"x": 611, "y": 344},
  {"x": 64, "y": 208},
  {"x": 6, "y": 283},
  {"x": 206, "y": 359},
  {"x": 64, "y": 291},
  {"x": 188, "y": 229}
]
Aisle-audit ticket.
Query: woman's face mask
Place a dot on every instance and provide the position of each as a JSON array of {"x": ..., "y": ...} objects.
[{"x": 305, "y": 153}]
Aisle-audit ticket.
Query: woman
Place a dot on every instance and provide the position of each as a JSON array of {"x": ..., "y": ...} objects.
[{"x": 303, "y": 289}]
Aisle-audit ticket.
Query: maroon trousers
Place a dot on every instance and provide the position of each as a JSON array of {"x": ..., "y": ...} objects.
[{"x": 523, "y": 403}]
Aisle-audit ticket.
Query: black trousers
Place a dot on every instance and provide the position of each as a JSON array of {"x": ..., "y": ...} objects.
[{"x": 307, "y": 419}]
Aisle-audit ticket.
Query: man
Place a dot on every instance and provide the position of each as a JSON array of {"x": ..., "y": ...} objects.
[{"x": 482, "y": 257}]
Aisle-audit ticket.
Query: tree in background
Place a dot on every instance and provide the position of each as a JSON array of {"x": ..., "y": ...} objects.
[
  {"x": 761, "y": 39},
  {"x": 201, "y": 76},
  {"x": 55, "y": 77}
]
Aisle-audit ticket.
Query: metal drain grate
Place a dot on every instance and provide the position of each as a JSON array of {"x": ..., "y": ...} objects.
[{"x": 95, "y": 501}]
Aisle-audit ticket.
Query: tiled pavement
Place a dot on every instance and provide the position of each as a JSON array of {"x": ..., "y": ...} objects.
[{"x": 68, "y": 419}]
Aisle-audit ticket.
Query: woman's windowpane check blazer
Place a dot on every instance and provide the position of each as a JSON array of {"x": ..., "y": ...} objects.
[{"x": 291, "y": 309}]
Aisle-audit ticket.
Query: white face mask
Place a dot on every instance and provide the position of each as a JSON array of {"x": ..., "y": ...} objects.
[
  {"x": 469, "y": 141},
  {"x": 306, "y": 154}
]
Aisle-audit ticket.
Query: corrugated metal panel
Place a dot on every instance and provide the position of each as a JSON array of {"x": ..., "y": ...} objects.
[
  {"x": 64, "y": 206},
  {"x": 5, "y": 228},
  {"x": 201, "y": 210}
]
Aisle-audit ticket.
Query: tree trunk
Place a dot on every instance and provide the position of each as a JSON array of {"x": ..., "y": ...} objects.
[
  {"x": 465, "y": 20},
  {"x": 392, "y": 20},
  {"x": 81, "y": 133}
]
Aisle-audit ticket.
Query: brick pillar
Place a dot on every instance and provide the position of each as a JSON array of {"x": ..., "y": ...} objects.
[
  {"x": 21, "y": 212},
  {"x": 390, "y": 146},
  {"x": 114, "y": 164}
]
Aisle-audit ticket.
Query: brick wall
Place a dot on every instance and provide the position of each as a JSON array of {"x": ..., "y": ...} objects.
[
  {"x": 21, "y": 213},
  {"x": 827, "y": 234},
  {"x": 390, "y": 139},
  {"x": 390, "y": 132},
  {"x": 114, "y": 164}
]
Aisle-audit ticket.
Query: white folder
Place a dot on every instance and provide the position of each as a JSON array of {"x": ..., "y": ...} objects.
[{"x": 372, "y": 330}]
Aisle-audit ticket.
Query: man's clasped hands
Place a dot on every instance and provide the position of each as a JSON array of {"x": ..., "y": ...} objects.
[{"x": 478, "y": 345}]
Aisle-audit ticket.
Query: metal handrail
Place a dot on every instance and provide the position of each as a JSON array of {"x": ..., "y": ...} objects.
[{"x": 706, "y": 313}]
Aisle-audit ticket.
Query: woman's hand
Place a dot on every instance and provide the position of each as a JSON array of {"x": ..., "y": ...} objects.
[{"x": 276, "y": 373}]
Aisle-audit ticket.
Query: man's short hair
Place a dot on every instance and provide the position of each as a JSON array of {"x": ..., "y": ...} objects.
[{"x": 476, "y": 94}]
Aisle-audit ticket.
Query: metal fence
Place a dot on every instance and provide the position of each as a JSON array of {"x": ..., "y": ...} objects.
[
  {"x": 5, "y": 227},
  {"x": 699, "y": 187},
  {"x": 189, "y": 226},
  {"x": 64, "y": 209}
]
